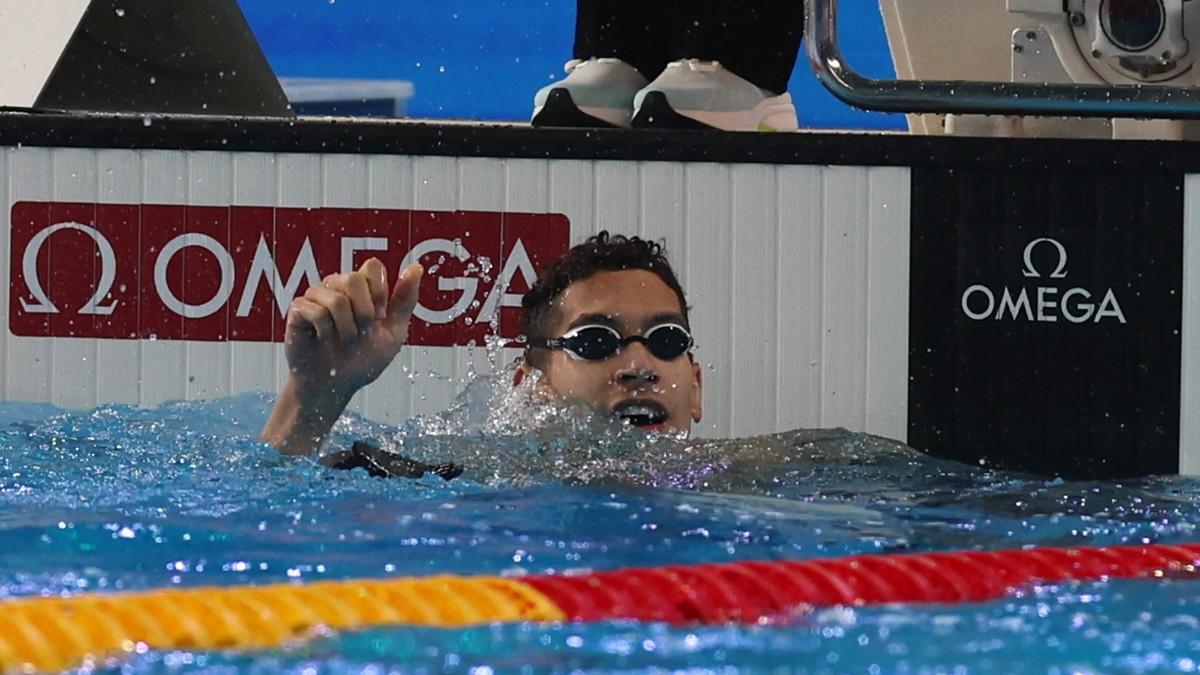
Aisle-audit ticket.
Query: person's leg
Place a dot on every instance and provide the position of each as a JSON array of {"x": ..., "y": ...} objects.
[
  {"x": 758, "y": 40},
  {"x": 755, "y": 43},
  {"x": 635, "y": 32},
  {"x": 616, "y": 53}
]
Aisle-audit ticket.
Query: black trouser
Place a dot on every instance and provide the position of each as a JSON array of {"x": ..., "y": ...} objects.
[{"x": 756, "y": 39}]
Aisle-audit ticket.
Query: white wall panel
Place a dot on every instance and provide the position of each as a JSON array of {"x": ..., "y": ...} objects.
[
  {"x": 617, "y": 197},
  {"x": 527, "y": 185},
  {"x": 119, "y": 175},
  {"x": 888, "y": 243},
  {"x": 28, "y": 361},
  {"x": 298, "y": 185},
  {"x": 73, "y": 362},
  {"x": 664, "y": 207},
  {"x": 798, "y": 255},
  {"x": 798, "y": 275},
  {"x": 255, "y": 183},
  {"x": 710, "y": 267},
  {"x": 1189, "y": 367},
  {"x": 435, "y": 187},
  {"x": 482, "y": 186},
  {"x": 573, "y": 194},
  {"x": 844, "y": 309},
  {"x": 163, "y": 372},
  {"x": 389, "y": 399},
  {"x": 345, "y": 184},
  {"x": 755, "y": 293},
  {"x": 210, "y": 183},
  {"x": 527, "y": 189}
]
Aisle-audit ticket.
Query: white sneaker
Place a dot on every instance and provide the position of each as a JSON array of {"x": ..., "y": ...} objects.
[
  {"x": 702, "y": 94},
  {"x": 595, "y": 93}
]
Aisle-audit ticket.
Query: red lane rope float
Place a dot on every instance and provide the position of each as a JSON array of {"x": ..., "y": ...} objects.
[
  {"x": 55, "y": 633},
  {"x": 751, "y": 591}
]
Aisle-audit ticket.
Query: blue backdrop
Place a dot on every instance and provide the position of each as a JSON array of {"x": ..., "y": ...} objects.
[{"x": 484, "y": 59}]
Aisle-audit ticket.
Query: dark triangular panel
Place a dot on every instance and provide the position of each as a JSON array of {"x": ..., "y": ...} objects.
[{"x": 197, "y": 56}]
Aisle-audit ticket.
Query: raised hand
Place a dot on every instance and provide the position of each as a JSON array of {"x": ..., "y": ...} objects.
[{"x": 341, "y": 334}]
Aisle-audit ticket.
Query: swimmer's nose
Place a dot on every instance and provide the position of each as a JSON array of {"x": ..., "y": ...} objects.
[
  {"x": 636, "y": 377},
  {"x": 637, "y": 370}
]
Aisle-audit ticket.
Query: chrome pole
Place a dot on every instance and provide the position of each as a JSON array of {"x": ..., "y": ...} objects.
[{"x": 996, "y": 98}]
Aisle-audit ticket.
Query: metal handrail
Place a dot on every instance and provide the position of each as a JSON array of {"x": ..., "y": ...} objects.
[{"x": 997, "y": 98}]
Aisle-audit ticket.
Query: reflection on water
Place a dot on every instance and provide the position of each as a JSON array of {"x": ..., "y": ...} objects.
[{"x": 183, "y": 494}]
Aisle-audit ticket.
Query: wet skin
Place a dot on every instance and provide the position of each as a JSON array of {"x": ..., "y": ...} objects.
[
  {"x": 342, "y": 333},
  {"x": 632, "y": 302}
]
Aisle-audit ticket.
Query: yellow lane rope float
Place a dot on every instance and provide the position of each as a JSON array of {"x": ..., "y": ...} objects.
[{"x": 57, "y": 633}]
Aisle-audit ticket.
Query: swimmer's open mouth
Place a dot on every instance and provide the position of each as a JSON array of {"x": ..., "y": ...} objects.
[{"x": 640, "y": 412}]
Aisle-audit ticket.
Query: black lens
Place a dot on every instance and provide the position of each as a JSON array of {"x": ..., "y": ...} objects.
[
  {"x": 1133, "y": 25},
  {"x": 593, "y": 343},
  {"x": 668, "y": 342}
]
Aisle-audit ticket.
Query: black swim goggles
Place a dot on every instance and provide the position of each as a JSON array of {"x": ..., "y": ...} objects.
[{"x": 595, "y": 342}]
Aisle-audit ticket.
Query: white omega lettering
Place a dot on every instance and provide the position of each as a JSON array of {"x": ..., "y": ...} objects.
[
  {"x": 987, "y": 293},
  {"x": 263, "y": 265},
  {"x": 351, "y": 245},
  {"x": 1086, "y": 307},
  {"x": 467, "y": 285},
  {"x": 108, "y": 272},
  {"x": 1110, "y": 307},
  {"x": 1047, "y": 305},
  {"x": 518, "y": 261},
  {"x": 1021, "y": 302},
  {"x": 168, "y": 297}
]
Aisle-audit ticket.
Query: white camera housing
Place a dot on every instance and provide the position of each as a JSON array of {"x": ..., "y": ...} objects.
[
  {"x": 1099, "y": 42},
  {"x": 1144, "y": 40}
]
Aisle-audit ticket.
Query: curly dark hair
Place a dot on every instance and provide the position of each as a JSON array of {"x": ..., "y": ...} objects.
[{"x": 603, "y": 252}]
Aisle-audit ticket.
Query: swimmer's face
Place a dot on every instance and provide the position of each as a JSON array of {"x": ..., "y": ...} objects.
[{"x": 633, "y": 384}]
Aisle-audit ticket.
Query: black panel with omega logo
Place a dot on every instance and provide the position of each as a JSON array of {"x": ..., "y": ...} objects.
[{"x": 1046, "y": 311}]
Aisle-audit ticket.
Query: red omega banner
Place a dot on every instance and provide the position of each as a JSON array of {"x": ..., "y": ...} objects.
[{"x": 218, "y": 273}]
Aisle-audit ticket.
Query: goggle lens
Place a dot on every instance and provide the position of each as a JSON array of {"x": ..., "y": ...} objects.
[
  {"x": 593, "y": 343},
  {"x": 668, "y": 341},
  {"x": 596, "y": 343}
]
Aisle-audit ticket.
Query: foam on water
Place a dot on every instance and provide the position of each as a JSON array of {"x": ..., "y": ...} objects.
[{"x": 184, "y": 494}]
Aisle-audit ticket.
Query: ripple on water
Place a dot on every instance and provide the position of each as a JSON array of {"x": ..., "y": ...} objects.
[{"x": 183, "y": 494}]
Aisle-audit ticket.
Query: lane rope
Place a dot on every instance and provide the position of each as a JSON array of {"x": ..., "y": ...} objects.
[{"x": 57, "y": 633}]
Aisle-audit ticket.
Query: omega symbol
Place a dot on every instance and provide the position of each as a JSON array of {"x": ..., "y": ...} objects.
[
  {"x": 1059, "y": 272},
  {"x": 108, "y": 272}
]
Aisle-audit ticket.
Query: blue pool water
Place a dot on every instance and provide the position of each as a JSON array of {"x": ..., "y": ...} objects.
[{"x": 121, "y": 498}]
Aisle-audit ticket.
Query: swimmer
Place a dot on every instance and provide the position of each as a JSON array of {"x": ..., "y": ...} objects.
[{"x": 606, "y": 325}]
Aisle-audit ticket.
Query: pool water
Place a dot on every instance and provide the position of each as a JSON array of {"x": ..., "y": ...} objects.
[{"x": 122, "y": 498}]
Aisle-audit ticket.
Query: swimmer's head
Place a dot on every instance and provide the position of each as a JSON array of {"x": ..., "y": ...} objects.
[{"x": 607, "y": 324}]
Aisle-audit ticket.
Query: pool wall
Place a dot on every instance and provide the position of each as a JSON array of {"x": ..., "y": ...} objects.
[{"x": 1021, "y": 303}]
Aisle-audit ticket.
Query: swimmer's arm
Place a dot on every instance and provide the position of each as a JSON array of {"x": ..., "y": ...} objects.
[
  {"x": 341, "y": 334},
  {"x": 299, "y": 423}
]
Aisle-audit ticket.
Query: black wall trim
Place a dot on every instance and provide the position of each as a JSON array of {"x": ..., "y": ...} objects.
[{"x": 360, "y": 136}]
